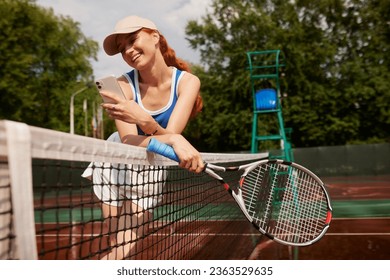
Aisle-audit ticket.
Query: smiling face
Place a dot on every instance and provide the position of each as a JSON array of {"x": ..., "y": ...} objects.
[{"x": 138, "y": 49}]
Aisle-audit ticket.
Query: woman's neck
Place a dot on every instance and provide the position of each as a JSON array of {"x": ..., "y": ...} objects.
[{"x": 155, "y": 75}]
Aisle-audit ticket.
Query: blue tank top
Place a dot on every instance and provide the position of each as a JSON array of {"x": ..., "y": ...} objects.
[{"x": 162, "y": 115}]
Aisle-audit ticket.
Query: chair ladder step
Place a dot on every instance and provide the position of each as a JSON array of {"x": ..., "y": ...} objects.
[{"x": 269, "y": 137}]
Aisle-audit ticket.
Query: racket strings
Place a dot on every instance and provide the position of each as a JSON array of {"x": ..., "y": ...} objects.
[
  {"x": 257, "y": 193},
  {"x": 286, "y": 202},
  {"x": 303, "y": 209}
]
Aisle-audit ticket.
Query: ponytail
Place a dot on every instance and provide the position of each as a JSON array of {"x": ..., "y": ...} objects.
[{"x": 170, "y": 56}]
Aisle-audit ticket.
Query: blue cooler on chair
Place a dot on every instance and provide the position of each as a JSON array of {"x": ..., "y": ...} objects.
[{"x": 265, "y": 99}]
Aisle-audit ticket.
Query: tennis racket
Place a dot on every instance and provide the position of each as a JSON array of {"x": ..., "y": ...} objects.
[{"x": 283, "y": 200}]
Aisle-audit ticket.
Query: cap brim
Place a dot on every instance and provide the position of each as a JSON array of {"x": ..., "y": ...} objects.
[{"x": 110, "y": 44}]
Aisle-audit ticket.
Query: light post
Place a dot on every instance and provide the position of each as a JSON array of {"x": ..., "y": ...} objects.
[
  {"x": 85, "y": 117},
  {"x": 72, "y": 108}
]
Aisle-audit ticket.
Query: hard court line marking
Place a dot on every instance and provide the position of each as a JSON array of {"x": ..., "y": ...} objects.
[{"x": 224, "y": 234}]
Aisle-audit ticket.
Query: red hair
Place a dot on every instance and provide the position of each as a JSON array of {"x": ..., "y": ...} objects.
[{"x": 171, "y": 59}]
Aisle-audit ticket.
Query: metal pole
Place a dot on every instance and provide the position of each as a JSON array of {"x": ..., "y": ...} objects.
[
  {"x": 72, "y": 109},
  {"x": 85, "y": 117}
]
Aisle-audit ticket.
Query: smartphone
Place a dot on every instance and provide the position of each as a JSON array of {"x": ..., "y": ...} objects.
[{"x": 109, "y": 84}]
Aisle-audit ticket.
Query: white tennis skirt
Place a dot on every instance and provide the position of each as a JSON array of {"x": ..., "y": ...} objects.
[{"x": 115, "y": 183}]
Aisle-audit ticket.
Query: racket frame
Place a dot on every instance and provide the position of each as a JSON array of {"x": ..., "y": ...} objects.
[{"x": 211, "y": 169}]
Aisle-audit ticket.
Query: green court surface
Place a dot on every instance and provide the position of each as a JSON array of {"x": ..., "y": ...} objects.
[{"x": 361, "y": 208}]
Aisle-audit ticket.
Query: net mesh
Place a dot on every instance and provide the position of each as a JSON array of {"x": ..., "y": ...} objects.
[
  {"x": 7, "y": 237},
  {"x": 163, "y": 217},
  {"x": 98, "y": 200}
]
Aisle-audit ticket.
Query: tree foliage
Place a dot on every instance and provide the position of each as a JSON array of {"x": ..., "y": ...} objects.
[
  {"x": 44, "y": 58},
  {"x": 336, "y": 77}
]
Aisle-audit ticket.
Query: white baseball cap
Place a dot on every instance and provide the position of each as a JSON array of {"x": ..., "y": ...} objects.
[{"x": 127, "y": 25}]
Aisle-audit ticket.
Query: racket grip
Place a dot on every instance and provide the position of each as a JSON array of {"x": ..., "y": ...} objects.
[{"x": 163, "y": 149}]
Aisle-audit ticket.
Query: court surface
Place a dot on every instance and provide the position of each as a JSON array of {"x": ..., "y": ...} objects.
[{"x": 360, "y": 230}]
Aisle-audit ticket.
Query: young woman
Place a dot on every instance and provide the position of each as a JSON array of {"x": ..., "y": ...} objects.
[{"x": 161, "y": 96}]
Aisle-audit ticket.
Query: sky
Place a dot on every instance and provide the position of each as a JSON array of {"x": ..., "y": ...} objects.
[{"x": 97, "y": 19}]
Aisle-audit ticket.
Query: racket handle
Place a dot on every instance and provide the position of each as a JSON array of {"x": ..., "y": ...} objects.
[{"x": 163, "y": 149}]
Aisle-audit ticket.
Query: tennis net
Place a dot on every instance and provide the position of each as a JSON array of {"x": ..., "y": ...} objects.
[{"x": 52, "y": 185}]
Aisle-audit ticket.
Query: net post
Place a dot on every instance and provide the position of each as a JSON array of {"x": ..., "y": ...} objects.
[{"x": 20, "y": 167}]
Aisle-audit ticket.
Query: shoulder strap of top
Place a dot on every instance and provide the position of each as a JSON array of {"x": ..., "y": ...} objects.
[
  {"x": 131, "y": 78},
  {"x": 177, "y": 79}
]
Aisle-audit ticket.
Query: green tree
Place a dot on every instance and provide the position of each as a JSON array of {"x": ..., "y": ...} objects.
[
  {"x": 336, "y": 74},
  {"x": 44, "y": 58}
]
